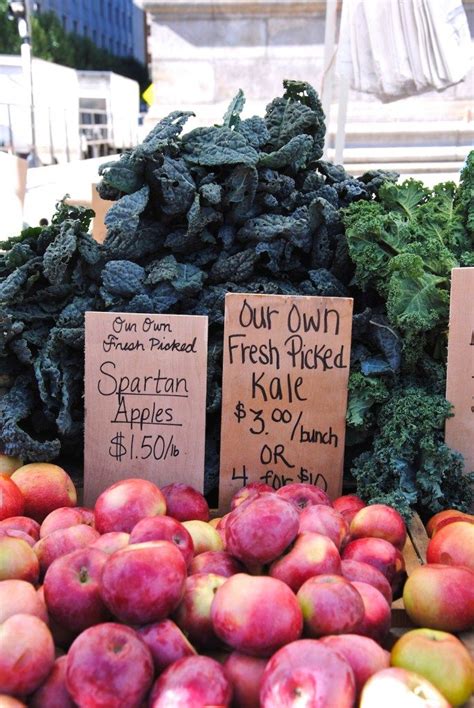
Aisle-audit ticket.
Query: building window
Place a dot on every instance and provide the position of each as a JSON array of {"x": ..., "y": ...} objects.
[
  {"x": 94, "y": 36},
  {"x": 86, "y": 31},
  {"x": 74, "y": 26},
  {"x": 102, "y": 43},
  {"x": 64, "y": 19}
]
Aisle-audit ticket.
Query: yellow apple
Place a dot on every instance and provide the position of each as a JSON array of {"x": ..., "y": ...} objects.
[{"x": 441, "y": 658}]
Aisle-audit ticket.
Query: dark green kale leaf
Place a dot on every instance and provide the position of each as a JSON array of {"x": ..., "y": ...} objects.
[
  {"x": 59, "y": 254},
  {"x": 164, "y": 134},
  {"x": 214, "y": 147},
  {"x": 176, "y": 186},
  {"x": 124, "y": 215},
  {"x": 232, "y": 114}
]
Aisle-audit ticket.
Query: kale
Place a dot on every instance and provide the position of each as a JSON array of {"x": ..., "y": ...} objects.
[{"x": 249, "y": 206}]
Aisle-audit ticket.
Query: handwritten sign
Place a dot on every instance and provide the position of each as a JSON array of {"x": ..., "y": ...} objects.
[
  {"x": 145, "y": 399},
  {"x": 286, "y": 367},
  {"x": 460, "y": 374}
]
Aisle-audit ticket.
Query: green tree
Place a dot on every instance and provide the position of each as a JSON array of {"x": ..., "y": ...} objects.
[
  {"x": 9, "y": 39},
  {"x": 51, "y": 42}
]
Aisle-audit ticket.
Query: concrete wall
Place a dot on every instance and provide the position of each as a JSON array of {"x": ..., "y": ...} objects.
[{"x": 203, "y": 52}]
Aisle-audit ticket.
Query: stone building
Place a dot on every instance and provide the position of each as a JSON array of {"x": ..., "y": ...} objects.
[{"x": 202, "y": 52}]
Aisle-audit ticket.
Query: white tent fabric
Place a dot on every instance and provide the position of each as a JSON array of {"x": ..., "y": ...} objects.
[{"x": 396, "y": 48}]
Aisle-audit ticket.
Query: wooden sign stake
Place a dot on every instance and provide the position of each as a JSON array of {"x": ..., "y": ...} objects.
[
  {"x": 284, "y": 398},
  {"x": 145, "y": 399},
  {"x": 460, "y": 373}
]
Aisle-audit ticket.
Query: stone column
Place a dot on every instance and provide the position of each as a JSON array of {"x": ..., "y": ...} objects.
[{"x": 203, "y": 52}]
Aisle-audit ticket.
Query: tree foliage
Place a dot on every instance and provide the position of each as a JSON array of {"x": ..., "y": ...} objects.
[{"x": 52, "y": 43}]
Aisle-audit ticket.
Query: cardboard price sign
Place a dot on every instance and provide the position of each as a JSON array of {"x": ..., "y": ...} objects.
[
  {"x": 284, "y": 391},
  {"x": 460, "y": 373},
  {"x": 145, "y": 399}
]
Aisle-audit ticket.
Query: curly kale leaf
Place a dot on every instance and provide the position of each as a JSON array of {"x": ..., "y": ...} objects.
[
  {"x": 409, "y": 460},
  {"x": 364, "y": 392},
  {"x": 417, "y": 300},
  {"x": 464, "y": 198}
]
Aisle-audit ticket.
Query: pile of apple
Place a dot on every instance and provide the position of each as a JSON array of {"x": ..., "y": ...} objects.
[{"x": 284, "y": 601}]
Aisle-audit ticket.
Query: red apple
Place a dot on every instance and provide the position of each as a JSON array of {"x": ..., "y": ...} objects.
[
  {"x": 330, "y": 605},
  {"x": 62, "y": 541},
  {"x": 166, "y": 642},
  {"x": 16, "y": 533},
  {"x": 164, "y": 528},
  {"x": 88, "y": 515},
  {"x": 348, "y": 505},
  {"x": 441, "y": 658},
  {"x": 45, "y": 487},
  {"x": 325, "y": 520},
  {"x": 18, "y": 560},
  {"x": 397, "y": 688},
  {"x": 256, "y": 615},
  {"x": 377, "y": 552},
  {"x": 219, "y": 562},
  {"x": 53, "y": 692},
  {"x": 307, "y": 673},
  {"x": 250, "y": 490},
  {"x": 20, "y": 597},
  {"x": 26, "y": 654},
  {"x": 453, "y": 545},
  {"x": 22, "y": 523},
  {"x": 440, "y": 597},
  {"x": 366, "y": 573},
  {"x": 121, "y": 506},
  {"x": 12, "y": 502},
  {"x": 72, "y": 587},
  {"x": 109, "y": 665},
  {"x": 377, "y": 613},
  {"x": 380, "y": 521},
  {"x": 185, "y": 503},
  {"x": 446, "y": 516},
  {"x": 363, "y": 654},
  {"x": 111, "y": 542},
  {"x": 193, "y": 614},
  {"x": 312, "y": 554},
  {"x": 144, "y": 582},
  {"x": 260, "y": 529},
  {"x": 192, "y": 682},
  {"x": 245, "y": 674},
  {"x": 61, "y": 518},
  {"x": 301, "y": 495},
  {"x": 204, "y": 536}
]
